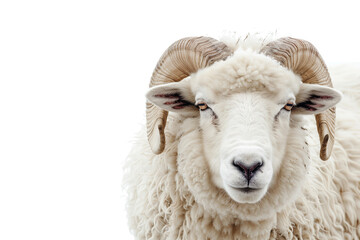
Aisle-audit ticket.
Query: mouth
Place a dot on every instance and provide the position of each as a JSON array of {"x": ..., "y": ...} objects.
[
  {"x": 245, "y": 194},
  {"x": 247, "y": 189}
]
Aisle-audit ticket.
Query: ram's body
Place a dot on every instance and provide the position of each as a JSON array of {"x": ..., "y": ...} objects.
[{"x": 173, "y": 195}]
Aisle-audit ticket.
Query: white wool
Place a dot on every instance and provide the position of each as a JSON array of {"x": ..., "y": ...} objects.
[
  {"x": 243, "y": 71},
  {"x": 252, "y": 42},
  {"x": 171, "y": 195}
]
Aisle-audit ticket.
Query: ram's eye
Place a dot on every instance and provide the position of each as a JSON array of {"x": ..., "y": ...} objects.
[
  {"x": 289, "y": 106},
  {"x": 202, "y": 106}
]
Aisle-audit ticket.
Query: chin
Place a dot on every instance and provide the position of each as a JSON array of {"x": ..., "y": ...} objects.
[{"x": 245, "y": 195}]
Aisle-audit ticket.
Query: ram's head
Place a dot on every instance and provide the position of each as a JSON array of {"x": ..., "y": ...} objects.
[{"x": 245, "y": 103}]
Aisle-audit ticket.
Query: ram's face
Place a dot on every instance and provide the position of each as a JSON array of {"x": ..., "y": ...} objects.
[
  {"x": 245, "y": 116},
  {"x": 244, "y": 138}
]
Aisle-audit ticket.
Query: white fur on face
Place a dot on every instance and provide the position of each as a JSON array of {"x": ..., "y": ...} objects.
[
  {"x": 244, "y": 122},
  {"x": 249, "y": 128}
]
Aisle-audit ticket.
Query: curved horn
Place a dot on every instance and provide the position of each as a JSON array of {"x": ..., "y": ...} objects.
[
  {"x": 182, "y": 58},
  {"x": 303, "y": 59}
]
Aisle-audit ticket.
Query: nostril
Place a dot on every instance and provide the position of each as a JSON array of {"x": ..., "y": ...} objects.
[
  {"x": 248, "y": 170},
  {"x": 256, "y": 166},
  {"x": 240, "y": 166}
]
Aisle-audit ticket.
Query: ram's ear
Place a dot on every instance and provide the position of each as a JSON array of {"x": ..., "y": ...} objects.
[
  {"x": 174, "y": 97},
  {"x": 314, "y": 99}
]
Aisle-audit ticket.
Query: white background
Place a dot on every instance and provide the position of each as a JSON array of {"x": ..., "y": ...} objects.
[{"x": 73, "y": 75}]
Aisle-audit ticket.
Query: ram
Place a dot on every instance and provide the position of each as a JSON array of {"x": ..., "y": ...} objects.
[{"x": 233, "y": 150}]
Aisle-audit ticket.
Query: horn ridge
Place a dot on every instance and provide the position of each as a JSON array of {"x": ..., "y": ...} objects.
[
  {"x": 303, "y": 59},
  {"x": 182, "y": 58}
]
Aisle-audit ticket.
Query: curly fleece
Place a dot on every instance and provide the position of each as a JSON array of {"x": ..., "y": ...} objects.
[{"x": 171, "y": 195}]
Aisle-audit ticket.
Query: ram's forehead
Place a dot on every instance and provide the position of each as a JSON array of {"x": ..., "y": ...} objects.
[{"x": 246, "y": 71}]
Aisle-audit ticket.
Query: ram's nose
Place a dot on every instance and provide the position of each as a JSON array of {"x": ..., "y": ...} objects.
[
  {"x": 249, "y": 162},
  {"x": 248, "y": 170}
]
